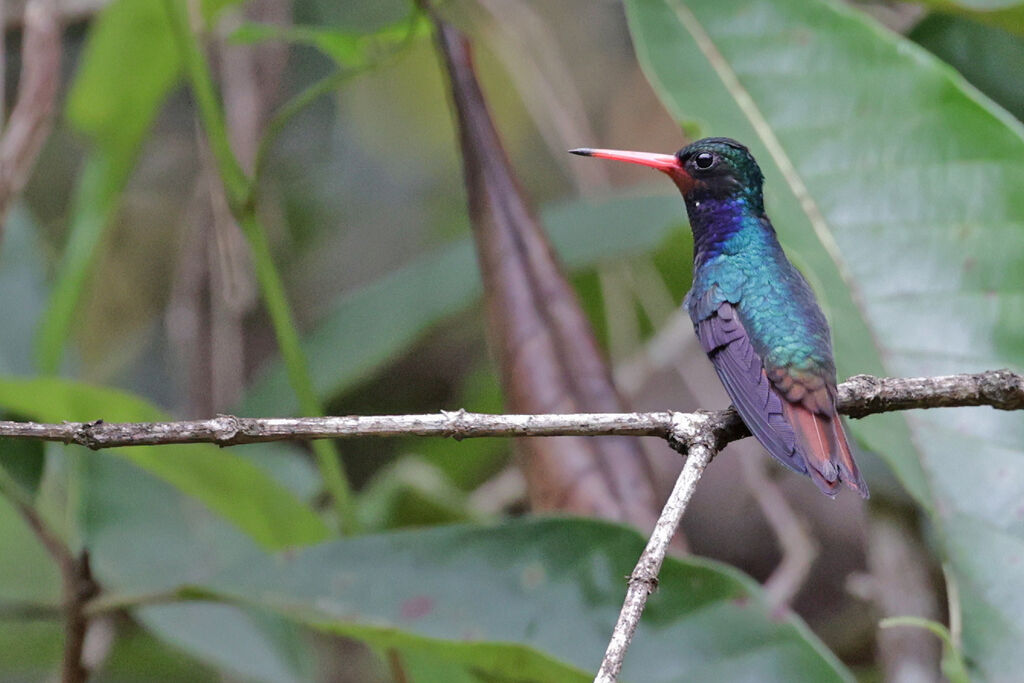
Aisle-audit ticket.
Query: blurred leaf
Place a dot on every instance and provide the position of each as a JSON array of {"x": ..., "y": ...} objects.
[
  {"x": 1006, "y": 14},
  {"x": 228, "y": 484},
  {"x": 31, "y": 649},
  {"x": 918, "y": 247},
  {"x": 983, "y": 54},
  {"x": 23, "y": 460},
  {"x": 351, "y": 50},
  {"x": 952, "y": 661},
  {"x": 468, "y": 463},
  {"x": 212, "y": 8},
  {"x": 136, "y": 650},
  {"x": 534, "y": 597},
  {"x": 96, "y": 197},
  {"x": 22, "y": 290},
  {"x": 22, "y": 295},
  {"x": 127, "y": 68},
  {"x": 410, "y": 492},
  {"x": 363, "y": 16},
  {"x": 224, "y": 636},
  {"x": 27, "y": 572},
  {"x": 354, "y": 339},
  {"x": 146, "y": 537},
  {"x": 288, "y": 464}
]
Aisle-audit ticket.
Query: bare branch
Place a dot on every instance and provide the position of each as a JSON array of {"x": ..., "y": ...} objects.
[
  {"x": 697, "y": 435},
  {"x": 865, "y": 395},
  {"x": 228, "y": 430},
  {"x": 861, "y": 395},
  {"x": 32, "y": 116},
  {"x": 696, "y": 431}
]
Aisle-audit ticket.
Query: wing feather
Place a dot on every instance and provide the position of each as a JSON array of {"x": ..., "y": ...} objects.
[{"x": 793, "y": 417}]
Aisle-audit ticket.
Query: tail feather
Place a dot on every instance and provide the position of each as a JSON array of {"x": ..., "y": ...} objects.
[
  {"x": 848, "y": 471},
  {"x": 822, "y": 441}
]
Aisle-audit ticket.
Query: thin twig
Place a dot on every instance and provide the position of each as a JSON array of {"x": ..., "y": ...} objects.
[
  {"x": 859, "y": 396},
  {"x": 32, "y": 116},
  {"x": 694, "y": 431},
  {"x": 79, "y": 588},
  {"x": 901, "y": 585},
  {"x": 799, "y": 548}
]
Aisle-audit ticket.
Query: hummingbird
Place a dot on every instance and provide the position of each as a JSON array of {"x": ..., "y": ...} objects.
[{"x": 754, "y": 313}]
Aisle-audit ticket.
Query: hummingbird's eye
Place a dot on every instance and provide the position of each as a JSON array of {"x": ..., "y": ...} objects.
[{"x": 704, "y": 160}]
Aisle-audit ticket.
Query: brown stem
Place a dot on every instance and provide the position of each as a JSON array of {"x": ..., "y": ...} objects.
[
  {"x": 32, "y": 116},
  {"x": 79, "y": 588},
  {"x": 76, "y": 578}
]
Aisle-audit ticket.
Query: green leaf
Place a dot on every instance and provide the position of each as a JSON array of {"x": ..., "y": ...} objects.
[
  {"x": 27, "y": 575},
  {"x": 230, "y": 485},
  {"x": 146, "y": 537},
  {"x": 907, "y": 210},
  {"x": 354, "y": 339},
  {"x": 1005, "y": 14},
  {"x": 23, "y": 460},
  {"x": 983, "y": 54},
  {"x": 96, "y": 198},
  {"x": 22, "y": 290},
  {"x": 225, "y": 636},
  {"x": 127, "y": 69},
  {"x": 135, "y": 650},
  {"x": 350, "y": 50},
  {"x": 410, "y": 492},
  {"x": 26, "y": 571},
  {"x": 532, "y": 600}
]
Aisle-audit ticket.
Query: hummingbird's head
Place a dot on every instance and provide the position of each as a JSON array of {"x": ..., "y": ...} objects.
[{"x": 712, "y": 168}]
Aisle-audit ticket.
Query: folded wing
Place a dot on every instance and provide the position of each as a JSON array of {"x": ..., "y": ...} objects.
[{"x": 793, "y": 415}]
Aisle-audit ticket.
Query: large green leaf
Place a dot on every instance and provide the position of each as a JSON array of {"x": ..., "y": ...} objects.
[
  {"x": 145, "y": 536},
  {"x": 531, "y": 600},
  {"x": 355, "y": 338},
  {"x": 897, "y": 186},
  {"x": 229, "y": 484}
]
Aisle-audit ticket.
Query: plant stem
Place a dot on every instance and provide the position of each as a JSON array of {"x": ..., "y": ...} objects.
[
  {"x": 237, "y": 189},
  {"x": 76, "y": 577}
]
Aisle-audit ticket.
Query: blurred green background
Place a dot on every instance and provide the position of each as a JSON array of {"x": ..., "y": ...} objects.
[{"x": 129, "y": 293}]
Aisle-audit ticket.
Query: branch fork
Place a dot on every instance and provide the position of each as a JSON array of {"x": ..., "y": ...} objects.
[{"x": 697, "y": 435}]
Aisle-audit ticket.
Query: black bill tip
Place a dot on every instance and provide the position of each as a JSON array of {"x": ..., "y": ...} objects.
[{"x": 582, "y": 151}]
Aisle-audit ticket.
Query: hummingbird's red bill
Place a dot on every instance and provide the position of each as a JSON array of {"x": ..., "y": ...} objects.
[{"x": 666, "y": 163}]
